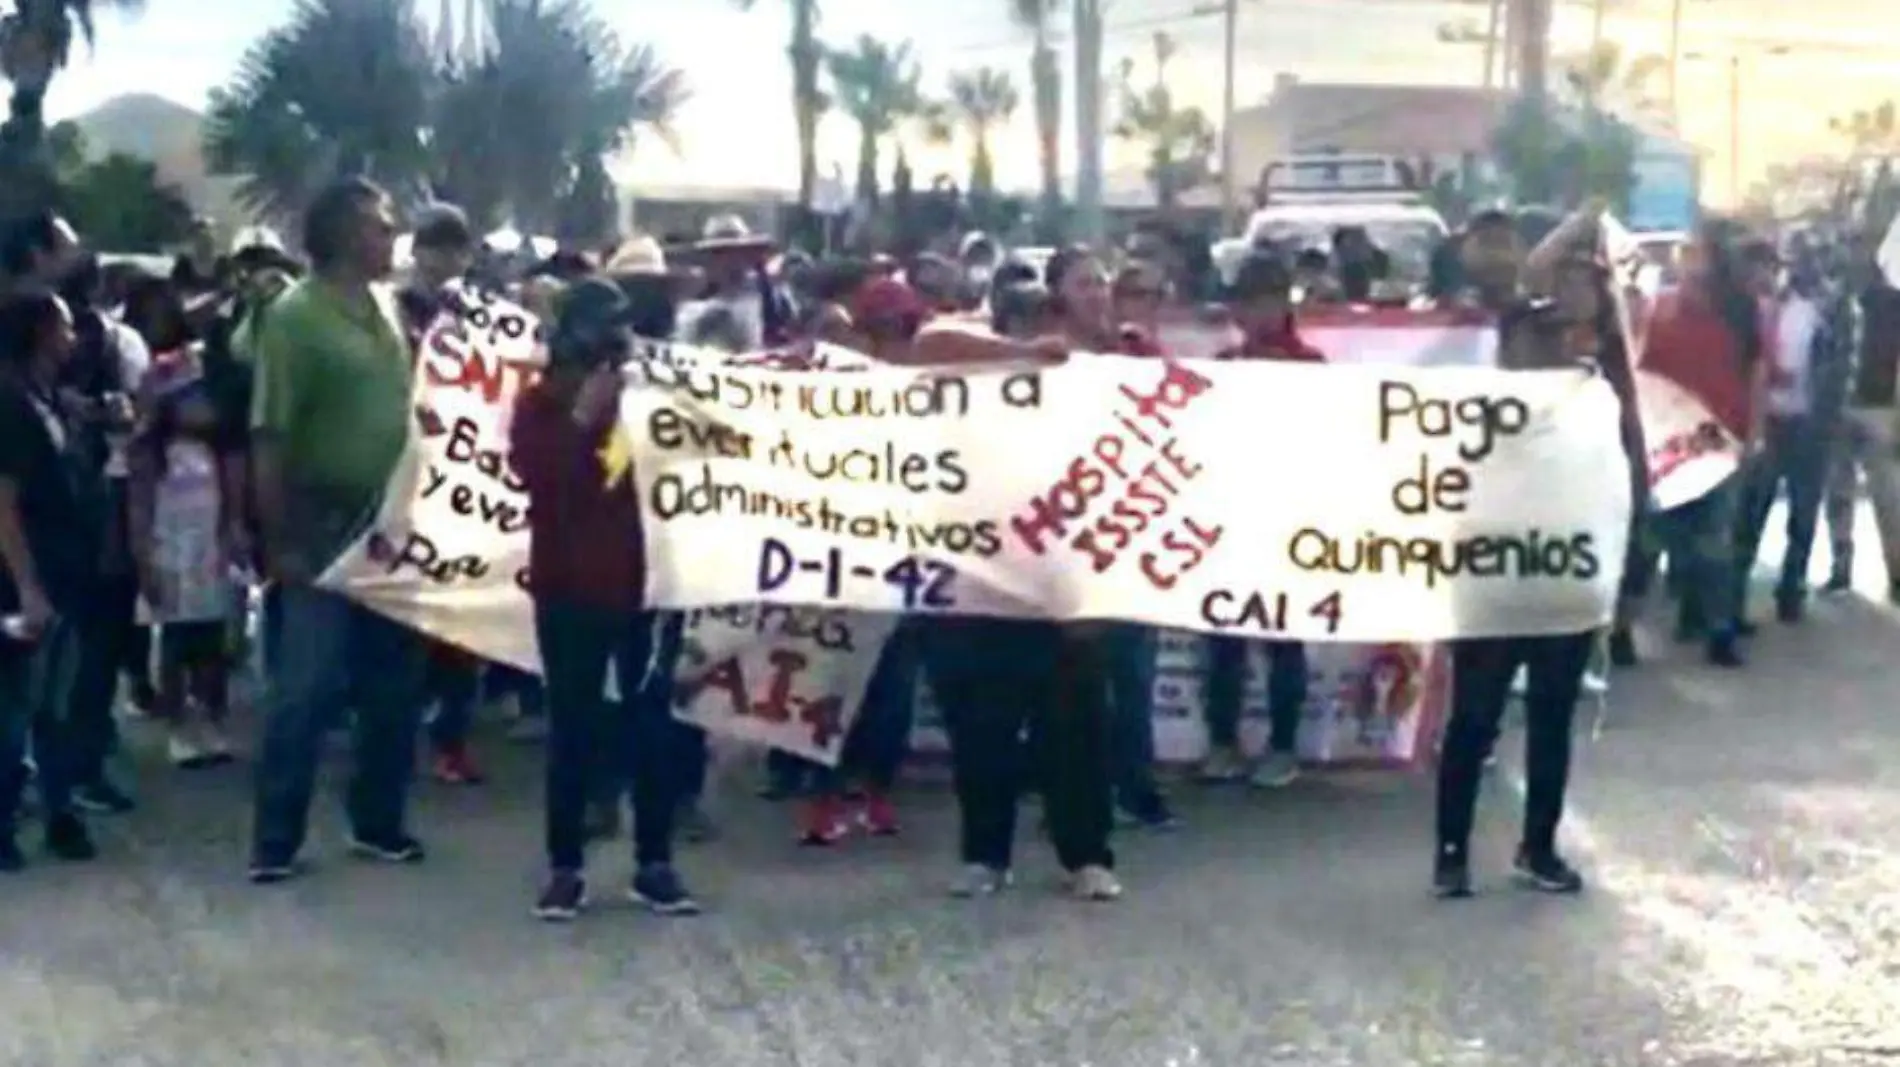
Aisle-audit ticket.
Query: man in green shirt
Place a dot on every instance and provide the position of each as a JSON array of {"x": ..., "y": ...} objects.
[{"x": 329, "y": 421}]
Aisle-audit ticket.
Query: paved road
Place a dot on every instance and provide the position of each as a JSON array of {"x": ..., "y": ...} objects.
[{"x": 1739, "y": 828}]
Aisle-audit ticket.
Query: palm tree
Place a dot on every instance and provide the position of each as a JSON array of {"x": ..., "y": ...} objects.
[
  {"x": 1045, "y": 79},
  {"x": 1180, "y": 140},
  {"x": 350, "y": 87},
  {"x": 877, "y": 85},
  {"x": 527, "y": 124},
  {"x": 808, "y": 99},
  {"x": 343, "y": 88},
  {"x": 36, "y": 40},
  {"x": 981, "y": 99},
  {"x": 1605, "y": 77}
]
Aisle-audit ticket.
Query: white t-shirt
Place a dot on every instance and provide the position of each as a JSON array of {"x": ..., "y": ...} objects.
[
  {"x": 135, "y": 358},
  {"x": 1791, "y": 391}
]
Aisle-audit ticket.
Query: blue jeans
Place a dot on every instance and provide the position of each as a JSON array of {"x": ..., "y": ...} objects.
[
  {"x": 36, "y": 684},
  {"x": 323, "y": 654},
  {"x": 1700, "y": 538},
  {"x": 1131, "y": 662},
  {"x": 1796, "y": 456}
]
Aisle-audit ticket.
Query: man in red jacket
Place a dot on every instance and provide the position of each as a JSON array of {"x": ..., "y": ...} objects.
[{"x": 587, "y": 567}]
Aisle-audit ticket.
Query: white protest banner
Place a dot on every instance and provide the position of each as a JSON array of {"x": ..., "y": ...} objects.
[
  {"x": 1331, "y": 503},
  {"x": 1690, "y": 452},
  {"x": 789, "y": 678},
  {"x": 448, "y": 555}
]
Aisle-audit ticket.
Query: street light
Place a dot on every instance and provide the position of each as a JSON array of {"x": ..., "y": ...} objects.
[{"x": 1735, "y": 106}]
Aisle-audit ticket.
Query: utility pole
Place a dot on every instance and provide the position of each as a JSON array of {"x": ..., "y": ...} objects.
[
  {"x": 1493, "y": 37},
  {"x": 1090, "y": 225},
  {"x": 1533, "y": 64},
  {"x": 1675, "y": 64},
  {"x": 1228, "y": 179},
  {"x": 1735, "y": 127}
]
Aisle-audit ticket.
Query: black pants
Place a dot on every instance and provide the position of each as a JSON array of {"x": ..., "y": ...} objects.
[
  {"x": 996, "y": 680},
  {"x": 1227, "y": 675},
  {"x": 35, "y": 692},
  {"x": 591, "y": 740},
  {"x": 1482, "y": 670},
  {"x": 105, "y": 623}
]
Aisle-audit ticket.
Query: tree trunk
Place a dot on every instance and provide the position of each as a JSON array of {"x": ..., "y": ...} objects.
[
  {"x": 806, "y": 57},
  {"x": 867, "y": 167},
  {"x": 1046, "y": 77},
  {"x": 1088, "y": 120}
]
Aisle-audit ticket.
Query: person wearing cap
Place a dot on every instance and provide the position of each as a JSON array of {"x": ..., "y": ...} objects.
[
  {"x": 1261, "y": 301},
  {"x": 587, "y": 567},
  {"x": 443, "y": 244}
]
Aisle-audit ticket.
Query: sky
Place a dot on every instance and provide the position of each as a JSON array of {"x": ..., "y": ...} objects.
[{"x": 737, "y": 128}]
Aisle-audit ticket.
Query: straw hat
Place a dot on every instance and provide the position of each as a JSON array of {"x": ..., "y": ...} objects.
[{"x": 638, "y": 255}]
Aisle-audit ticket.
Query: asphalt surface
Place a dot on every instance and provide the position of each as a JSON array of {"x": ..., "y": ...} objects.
[{"x": 1741, "y": 831}]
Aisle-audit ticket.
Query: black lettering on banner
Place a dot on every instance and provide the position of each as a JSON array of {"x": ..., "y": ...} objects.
[
  {"x": 1023, "y": 390},
  {"x": 1478, "y": 422},
  {"x": 829, "y": 629},
  {"x": 1440, "y": 490},
  {"x": 1264, "y": 612},
  {"x": 920, "y": 582},
  {"x": 1533, "y": 554},
  {"x": 498, "y": 508},
  {"x": 465, "y": 447},
  {"x": 418, "y": 554}
]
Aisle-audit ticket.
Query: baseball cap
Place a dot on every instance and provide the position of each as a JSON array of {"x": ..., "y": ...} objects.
[{"x": 590, "y": 314}]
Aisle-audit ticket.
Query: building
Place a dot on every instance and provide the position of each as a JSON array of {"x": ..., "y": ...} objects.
[{"x": 1437, "y": 128}]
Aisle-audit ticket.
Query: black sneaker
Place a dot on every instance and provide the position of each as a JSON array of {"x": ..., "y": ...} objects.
[
  {"x": 272, "y": 870},
  {"x": 1152, "y": 815},
  {"x": 562, "y": 899},
  {"x": 657, "y": 887},
  {"x": 1451, "y": 874},
  {"x": 394, "y": 848},
  {"x": 67, "y": 839},
  {"x": 11, "y": 858},
  {"x": 1623, "y": 648},
  {"x": 1790, "y": 608},
  {"x": 102, "y": 798},
  {"x": 1841, "y": 580},
  {"x": 1725, "y": 651},
  {"x": 1547, "y": 872}
]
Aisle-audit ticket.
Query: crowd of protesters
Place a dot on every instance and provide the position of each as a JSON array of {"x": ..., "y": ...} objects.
[{"x": 181, "y": 456}]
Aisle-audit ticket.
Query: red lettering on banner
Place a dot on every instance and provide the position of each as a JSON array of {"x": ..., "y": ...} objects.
[
  {"x": 778, "y": 698},
  {"x": 1683, "y": 447},
  {"x": 452, "y": 361},
  {"x": 1050, "y": 515}
]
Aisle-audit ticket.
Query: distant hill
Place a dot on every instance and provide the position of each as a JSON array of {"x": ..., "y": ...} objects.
[{"x": 169, "y": 135}]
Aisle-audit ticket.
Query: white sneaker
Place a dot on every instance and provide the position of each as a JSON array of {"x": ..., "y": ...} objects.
[
  {"x": 1276, "y": 771},
  {"x": 979, "y": 881},
  {"x": 1223, "y": 765},
  {"x": 184, "y": 749},
  {"x": 217, "y": 743},
  {"x": 1094, "y": 883}
]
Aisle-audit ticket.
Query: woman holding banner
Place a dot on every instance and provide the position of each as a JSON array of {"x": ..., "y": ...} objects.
[
  {"x": 1707, "y": 337},
  {"x": 1578, "y": 328}
]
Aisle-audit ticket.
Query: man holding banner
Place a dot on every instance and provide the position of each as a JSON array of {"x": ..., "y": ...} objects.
[{"x": 330, "y": 423}]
